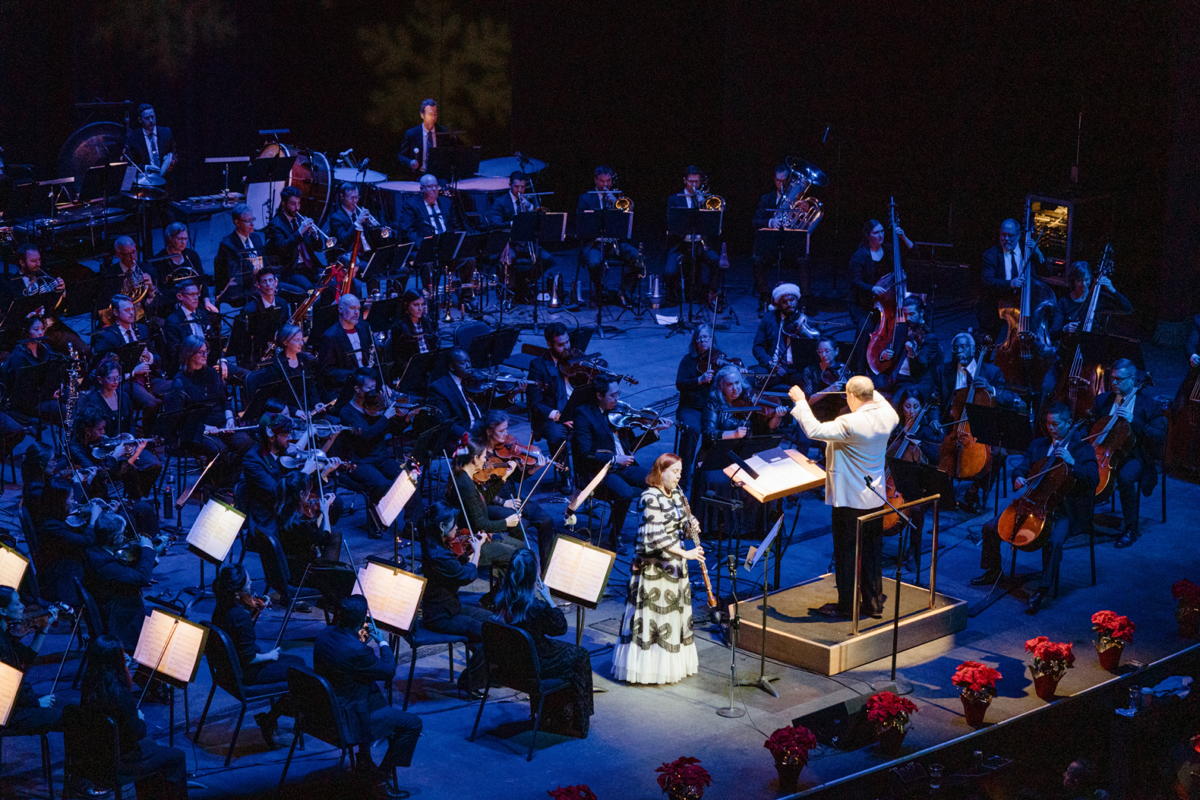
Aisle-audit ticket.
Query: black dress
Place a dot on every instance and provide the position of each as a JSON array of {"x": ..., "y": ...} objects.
[{"x": 571, "y": 712}]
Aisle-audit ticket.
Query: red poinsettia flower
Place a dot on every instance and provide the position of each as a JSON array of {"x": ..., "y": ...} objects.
[
  {"x": 976, "y": 676},
  {"x": 579, "y": 792},
  {"x": 1112, "y": 625},
  {"x": 889, "y": 707},
  {"x": 1186, "y": 592},
  {"x": 683, "y": 772},
  {"x": 794, "y": 741},
  {"x": 1196, "y": 742},
  {"x": 1046, "y": 651}
]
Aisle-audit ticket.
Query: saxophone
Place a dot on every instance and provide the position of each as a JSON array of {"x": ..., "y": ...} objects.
[{"x": 72, "y": 389}]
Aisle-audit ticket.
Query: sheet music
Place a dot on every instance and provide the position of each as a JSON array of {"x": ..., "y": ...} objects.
[
  {"x": 215, "y": 529},
  {"x": 183, "y": 653},
  {"x": 393, "y": 595},
  {"x": 577, "y": 570},
  {"x": 756, "y": 553},
  {"x": 10, "y": 684},
  {"x": 396, "y": 498},
  {"x": 12, "y": 567},
  {"x": 780, "y": 472}
]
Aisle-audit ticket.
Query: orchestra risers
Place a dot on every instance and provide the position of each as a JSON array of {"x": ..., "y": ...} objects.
[{"x": 798, "y": 637}]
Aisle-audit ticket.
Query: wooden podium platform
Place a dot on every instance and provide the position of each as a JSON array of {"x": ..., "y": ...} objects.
[{"x": 797, "y": 636}]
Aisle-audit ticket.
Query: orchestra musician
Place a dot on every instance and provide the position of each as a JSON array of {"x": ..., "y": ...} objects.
[
  {"x": 188, "y": 318},
  {"x": 239, "y": 256},
  {"x": 776, "y": 330},
  {"x": 47, "y": 291},
  {"x": 549, "y": 392},
  {"x": 825, "y": 375},
  {"x": 294, "y": 241},
  {"x": 60, "y": 548},
  {"x": 353, "y": 668},
  {"x": 347, "y": 217},
  {"x": 449, "y": 395},
  {"x": 414, "y": 334},
  {"x": 764, "y": 211},
  {"x": 868, "y": 264},
  {"x": 528, "y": 259},
  {"x": 594, "y": 443},
  {"x": 694, "y": 380},
  {"x": 345, "y": 347},
  {"x": 31, "y": 279},
  {"x": 920, "y": 429},
  {"x": 123, "y": 274},
  {"x": 117, "y": 568},
  {"x": 593, "y": 252},
  {"x": 429, "y": 214},
  {"x": 420, "y": 140},
  {"x": 1134, "y": 467},
  {"x": 151, "y": 145},
  {"x": 30, "y": 714},
  {"x": 260, "y": 319},
  {"x": 266, "y": 485},
  {"x": 855, "y": 458},
  {"x": 477, "y": 516},
  {"x": 288, "y": 381},
  {"x": 1072, "y": 516},
  {"x": 177, "y": 260},
  {"x": 723, "y": 420},
  {"x": 691, "y": 248},
  {"x": 31, "y": 386},
  {"x": 236, "y": 612},
  {"x": 1073, "y": 306},
  {"x": 146, "y": 387},
  {"x": 1001, "y": 273},
  {"x": 921, "y": 350},
  {"x": 136, "y": 466}
]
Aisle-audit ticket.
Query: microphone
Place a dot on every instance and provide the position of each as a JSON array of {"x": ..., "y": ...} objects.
[
  {"x": 345, "y": 153},
  {"x": 362, "y": 165},
  {"x": 825, "y": 134},
  {"x": 732, "y": 564}
]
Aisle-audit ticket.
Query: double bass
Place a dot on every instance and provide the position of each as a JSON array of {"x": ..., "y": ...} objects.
[
  {"x": 1084, "y": 380},
  {"x": 1028, "y": 352},
  {"x": 1182, "y": 455},
  {"x": 892, "y": 330},
  {"x": 962, "y": 456},
  {"x": 1023, "y": 522}
]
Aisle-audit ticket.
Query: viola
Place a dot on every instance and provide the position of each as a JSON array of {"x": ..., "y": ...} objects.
[
  {"x": 36, "y": 620},
  {"x": 253, "y": 603},
  {"x": 714, "y": 359},
  {"x": 527, "y": 456},
  {"x": 577, "y": 368},
  {"x": 637, "y": 427},
  {"x": 1023, "y": 522},
  {"x": 962, "y": 456},
  {"x": 122, "y": 444}
]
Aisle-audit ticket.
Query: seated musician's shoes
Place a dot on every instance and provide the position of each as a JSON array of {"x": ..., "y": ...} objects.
[
  {"x": 970, "y": 503},
  {"x": 985, "y": 578},
  {"x": 1035, "y": 602},
  {"x": 1128, "y": 537},
  {"x": 266, "y": 726},
  {"x": 832, "y": 611}
]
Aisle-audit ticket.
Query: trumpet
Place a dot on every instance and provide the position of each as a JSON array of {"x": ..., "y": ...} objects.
[
  {"x": 329, "y": 240},
  {"x": 364, "y": 219}
]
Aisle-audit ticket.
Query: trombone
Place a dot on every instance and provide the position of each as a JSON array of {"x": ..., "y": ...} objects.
[{"x": 709, "y": 201}]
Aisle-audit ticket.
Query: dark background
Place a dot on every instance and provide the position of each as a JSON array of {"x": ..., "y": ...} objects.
[{"x": 958, "y": 114}]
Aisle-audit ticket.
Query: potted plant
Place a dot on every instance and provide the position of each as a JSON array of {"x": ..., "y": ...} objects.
[
  {"x": 1050, "y": 662},
  {"x": 579, "y": 792},
  {"x": 790, "y": 747},
  {"x": 683, "y": 778},
  {"x": 890, "y": 712},
  {"x": 1187, "y": 613},
  {"x": 976, "y": 684},
  {"x": 1114, "y": 631}
]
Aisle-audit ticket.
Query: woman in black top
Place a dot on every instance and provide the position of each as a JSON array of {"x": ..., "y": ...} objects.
[
  {"x": 157, "y": 771},
  {"x": 463, "y": 494},
  {"x": 414, "y": 334},
  {"x": 289, "y": 379},
  {"x": 235, "y": 616},
  {"x": 30, "y": 714},
  {"x": 869, "y": 263},
  {"x": 693, "y": 380},
  {"x": 31, "y": 390}
]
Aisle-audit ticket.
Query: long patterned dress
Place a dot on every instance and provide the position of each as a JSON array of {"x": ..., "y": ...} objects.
[{"x": 656, "y": 643}]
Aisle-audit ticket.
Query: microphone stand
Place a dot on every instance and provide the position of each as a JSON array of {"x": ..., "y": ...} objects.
[
  {"x": 730, "y": 711},
  {"x": 898, "y": 684}
]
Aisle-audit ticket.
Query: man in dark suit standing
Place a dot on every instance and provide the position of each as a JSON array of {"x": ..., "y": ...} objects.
[
  {"x": 447, "y": 394},
  {"x": 549, "y": 393},
  {"x": 593, "y": 252},
  {"x": 352, "y": 668},
  {"x": 1001, "y": 274},
  {"x": 595, "y": 443},
  {"x": 1134, "y": 470},
  {"x": 420, "y": 140},
  {"x": 345, "y": 348},
  {"x": 151, "y": 146},
  {"x": 690, "y": 248},
  {"x": 239, "y": 257}
]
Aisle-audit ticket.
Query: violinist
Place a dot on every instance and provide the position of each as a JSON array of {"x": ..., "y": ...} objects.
[
  {"x": 1072, "y": 516},
  {"x": 477, "y": 516},
  {"x": 346, "y": 346},
  {"x": 187, "y": 319},
  {"x": 236, "y": 613},
  {"x": 415, "y": 334},
  {"x": 504, "y": 491},
  {"x": 782, "y": 323},
  {"x": 371, "y": 442},
  {"x": 449, "y": 394},
  {"x": 920, "y": 352},
  {"x": 918, "y": 427},
  {"x": 198, "y": 407},
  {"x": 550, "y": 391},
  {"x": 32, "y": 386},
  {"x": 1073, "y": 306},
  {"x": 132, "y": 463},
  {"x": 693, "y": 380},
  {"x": 30, "y": 715},
  {"x": 445, "y": 574},
  {"x": 1134, "y": 466},
  {"x": 117, "y": 569},
  {"x": 289, "y": 379},
  {"x": 868, "y": 264},
  {"x": 1001, "y": 273},
  {"x": 823, "y": 380},
  {"x": 724, "y": 418},
  {"x": 595, "y": 443},
  {"x": 265, "y": 483}
]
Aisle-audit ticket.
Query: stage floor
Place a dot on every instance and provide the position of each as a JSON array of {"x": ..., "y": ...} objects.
[{"x": 637, "y": 728}]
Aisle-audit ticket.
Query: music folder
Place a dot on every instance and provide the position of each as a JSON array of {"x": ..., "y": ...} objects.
[
  {"x": 170, "y": 647},
  {"x": 393, "y": 595},
  {"x": 396, "y": 497},
  {"x": 215, "y": 530},
  {"x": 10, "y": 685},
  {"x": 12, "y": 566},
  {"x": 781, "y": 473},
  {"x": 578, "y": 571}
]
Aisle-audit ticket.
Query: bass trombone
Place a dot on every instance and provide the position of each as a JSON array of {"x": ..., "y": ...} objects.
[{"x": 709, "y": 201}]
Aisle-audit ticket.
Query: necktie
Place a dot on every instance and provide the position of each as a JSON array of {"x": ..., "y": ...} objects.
[
  {"x": 128, "y": 335},
  {"x": 153, "y": 139},
  {"x": 472, "y": 409},
  {"x": 429, "y": 144},
  {"x": 436, "y": 215}
]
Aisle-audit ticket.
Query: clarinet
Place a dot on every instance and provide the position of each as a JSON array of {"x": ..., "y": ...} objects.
[
  {"x": 72, "y": 394},
  {"x": 691, "y": 526}
]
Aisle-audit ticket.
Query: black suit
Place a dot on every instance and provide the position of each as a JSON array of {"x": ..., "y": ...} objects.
[
  {"x": 338, "y": 360},
  {"x": 340, "y": 226},
  {"x": 112, "y": 281},
  {"x": 942, "y": 379},
  {"x": 264, "y": 487},
  {"x": 997, "y": 289},
  {"x": 251, "y": 333},
  {"x": 111, "y": 338},
  {"x": 415, "y": 218},
  {"x": 445, "y": 396},
  {"x": 764, "y": 260},
  {"x": 593, "y": 444},
  {"x": 546, "y": 394},
  {"x": 593, "y": 252},
  {"x": 135, "y": 145},
  {"x": 233, "y": 262},
  {"x": 117, "y": 588},
  {"x": 501, "y": 215},
  {"x": 704, "y": 275},
  {"x": 176, "y": 327},
  {"x": 352, "y": 669},
  {"x": 283, "y": 244},
  {"x": 1137, "y": 469},
  {"x": 414, "y": 146}
]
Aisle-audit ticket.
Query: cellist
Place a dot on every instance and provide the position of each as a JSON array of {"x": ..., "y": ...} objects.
[{"x": 1073, "y": 515}]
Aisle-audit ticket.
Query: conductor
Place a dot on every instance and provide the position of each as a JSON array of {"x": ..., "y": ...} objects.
[{"x": 855, "y": 457}]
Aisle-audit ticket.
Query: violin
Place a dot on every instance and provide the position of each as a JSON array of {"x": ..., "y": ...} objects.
[
  {"x": 121, "y": 444},
  {"x": 1023, "y": 523},
  {"x": 577, "y": 368},
  {"x": 253, "y": 603},
  {"x": 298, "y": 459},
  {"x": 714, "y": 359},
  {"x": 962, "y": 456},
  {"x": 36, "y": 620},
  {"x": 377, "y": 402},
  {"x": 637, "y": 427},
  {"x": 527, "y": 456}
]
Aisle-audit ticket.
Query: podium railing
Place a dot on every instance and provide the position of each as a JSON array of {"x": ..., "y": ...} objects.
[{"x": 933, "y": 500}]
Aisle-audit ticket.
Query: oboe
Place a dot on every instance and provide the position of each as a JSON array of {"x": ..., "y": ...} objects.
[{"x": 692, "y": 526}]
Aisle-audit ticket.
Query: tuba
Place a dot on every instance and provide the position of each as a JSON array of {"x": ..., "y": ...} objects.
[{"x": 800, "y": 210}]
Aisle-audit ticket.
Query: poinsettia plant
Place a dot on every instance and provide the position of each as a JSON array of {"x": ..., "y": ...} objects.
[
  {"x": 791, "y": 745},
  {"x": 1050, "y": 658},
  {"x": 1114, "y": 629},
  {"x": 1186, "y": 592},
  {"x": 1196, "y": 742},
  {"x": 683, "y": 773},
  {"x": 976, "y": 679},
  {"x": 578, "y": 792},
  {"x": 890, "y": 710}
]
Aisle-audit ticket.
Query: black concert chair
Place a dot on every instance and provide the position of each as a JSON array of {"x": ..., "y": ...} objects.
[
  {"x": 93, "y": 622},
  {"x": 275, "y": 568},
  {"x": 92, "y": 745},
  {"x": 1091, "y": 534},
  {"x": 6, "y": 733},
  {"x": 417, "y": 638},
  {"x": 317, "y": 715},
  {"x": 226, "y": 673},
  {"x": 513, "y": 662}
]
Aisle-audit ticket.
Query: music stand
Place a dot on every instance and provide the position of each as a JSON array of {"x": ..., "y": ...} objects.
[
  {"x": 262, "y": 327},
  {"x": 605, "y": 226},
  {"x": 493, "y": 348},
  {"x": 452, "y": 161},
  {"x": 691, "y": 223},
  {"x": 214, "y": 531},
  {"x": 756, "y": 553},
  {"x": 392, "y": 503},
  {"x": 169, "y": 648},
  {"x": 783, "y": 243},
  {"x": 12, "y": 566},
  {"x": 913, "y": 479},
  {"x": 393, "y": 595},
  {"x": 1002, "y": 428},
  {"x": 1105, "y": 348},
  {"x": 578, "y": 572},
  {"x": 10, "y": 686},
  {"x": 265, "y": 177}
]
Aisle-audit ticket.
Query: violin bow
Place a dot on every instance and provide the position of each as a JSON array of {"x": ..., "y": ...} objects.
[
  {"x": 66, "y": 652},
  {"x": 552, "y": 465},
  {"x": 462, "y": 506}
]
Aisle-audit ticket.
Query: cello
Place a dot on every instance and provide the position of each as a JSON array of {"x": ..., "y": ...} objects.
[
  {"x": 1023, "y": 522},
  {"x": 892, "y": 330},
  {"x": 1084, "y": 380},
  {"x": 1183, "y": 436},
  {"x": 962, "y": 456},
  {"x": 1111, "y": 436},
  {"x": 1027, "y": 353}
]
